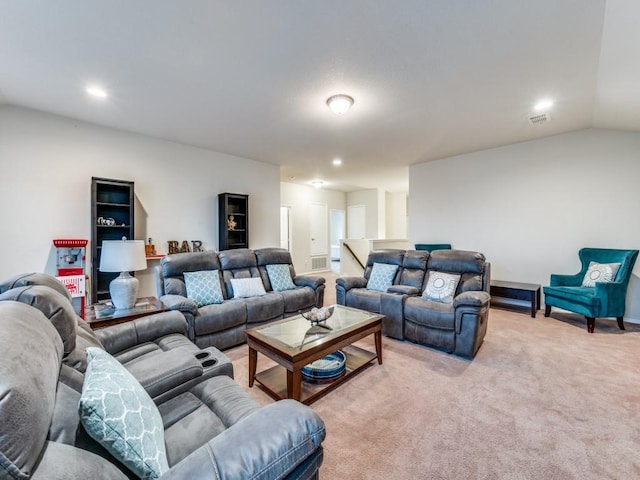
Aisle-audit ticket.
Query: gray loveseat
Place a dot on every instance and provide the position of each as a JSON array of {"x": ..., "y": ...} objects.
[
  {"x": 223, "y": 324},
  {"x": 458, "y": 327},
  {"x": 212, "y": 429}
]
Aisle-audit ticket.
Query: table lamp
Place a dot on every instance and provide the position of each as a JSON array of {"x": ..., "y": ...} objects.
[{"x": 123, "y": 256}]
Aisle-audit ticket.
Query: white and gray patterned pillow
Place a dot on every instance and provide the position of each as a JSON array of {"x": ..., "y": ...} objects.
[
  {"x": 280, "y": 277},
  {"x": 441, "y": 287},
  {"x": 381, "y": 276},
  {"x": 247, "y": 287},
  {"x": 203, "y": 287},
  {"x": 600, "y": 272},
  {"x": 119, "y": 414}
]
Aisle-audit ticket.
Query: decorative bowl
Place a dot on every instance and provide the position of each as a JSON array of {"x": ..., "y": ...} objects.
[
  {"x": 316, "y": 315},
  {"x": 328, "y": 367}
]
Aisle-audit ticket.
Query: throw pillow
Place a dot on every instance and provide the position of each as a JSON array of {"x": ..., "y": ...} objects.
[
  {"x": 600, "y": 272},
  {"x": 203, "y": 287},
  {"x": 441, "y": 287},
  {"x": 247, "y": 287},
  {"x": 280, "y": 277},
  {"x": 381, "y": 276},
  {"x": 119, "y": 414}
]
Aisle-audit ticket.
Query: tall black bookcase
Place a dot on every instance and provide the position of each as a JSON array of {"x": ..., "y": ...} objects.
[
  {"x": 233, "y": 221},
  {"x": 112, "y": 207}
]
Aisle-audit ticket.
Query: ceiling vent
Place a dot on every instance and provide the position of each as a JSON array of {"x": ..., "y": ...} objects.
[{"x": 539, "y": 119}]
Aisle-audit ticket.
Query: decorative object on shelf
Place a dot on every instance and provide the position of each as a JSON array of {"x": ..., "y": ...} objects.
[
  {"x": 184, "y": 248},
  {"x": 326, "y": 368},
  {"x": 231, "y": 223},
  {"x": 318, "y": 315},
  {"x": 106, "y": 222},
  {"x": 123, "y": 256},
  {"x": 150, "y": 248}
]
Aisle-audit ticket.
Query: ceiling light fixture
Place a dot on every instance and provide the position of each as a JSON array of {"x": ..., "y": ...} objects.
[
  {"x": 317, "y": 183},
  {"x": 339, "y": 104},
  {"x": 97, "y": 92},
  {"x": 337, "y": 161},
  {"x": 543, "y": 105}
]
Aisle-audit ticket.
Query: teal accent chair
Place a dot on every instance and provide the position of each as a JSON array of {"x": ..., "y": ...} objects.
[
  {"x": 603, "y": 300},
  {"x": 433, "y": 246}
]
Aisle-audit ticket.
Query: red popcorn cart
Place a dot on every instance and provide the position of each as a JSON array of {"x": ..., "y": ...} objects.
[{"x": 71, "y": 258}]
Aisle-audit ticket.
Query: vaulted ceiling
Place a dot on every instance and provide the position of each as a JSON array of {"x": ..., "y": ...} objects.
[{"x": 430, "y": 78}]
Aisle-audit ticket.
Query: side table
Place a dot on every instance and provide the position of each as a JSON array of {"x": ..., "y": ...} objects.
[{"x": 103, "y": 314}]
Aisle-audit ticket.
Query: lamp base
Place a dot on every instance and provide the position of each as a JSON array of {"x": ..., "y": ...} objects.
[{"x": 124, "y": 291}]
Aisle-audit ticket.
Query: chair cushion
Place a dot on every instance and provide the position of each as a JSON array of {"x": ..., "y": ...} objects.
[
  {"x": 600, "y": 272},
  {"x": 119, "y": 414},
  {"x": 247, "y": 287},
  {"x": 382, "y": 275},
  {"x": 364, "y": 299},
  {"x": 441, "y": 287},
  {"x": 203, "y": 287},
  {"x": 583, "y": 295},
  {"x": 429, "y": 314},
  {"x": 280, "y": 277}
]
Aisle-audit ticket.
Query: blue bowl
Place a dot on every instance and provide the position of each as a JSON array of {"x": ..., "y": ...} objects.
[{"x": 326, "y": 368}]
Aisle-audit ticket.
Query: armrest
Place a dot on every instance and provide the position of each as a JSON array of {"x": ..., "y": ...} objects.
[
  {"x": 612, "y": 297},
  {"x": 351, "y": 282},
  {"x": 566, "y": 280},
  {"x": 274, "y": 440},
  {"x": 145, "y": 329},
  {"x": 160, "y": 373},
  {"x": 313, "y": 281},
  {"x": 178, "y": 302},
  {"x": 472, "y": 299},
  {"x": 403, "y": 290}
]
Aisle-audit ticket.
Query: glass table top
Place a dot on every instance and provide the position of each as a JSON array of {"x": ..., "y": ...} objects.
[{"x": 298, "y": 331}]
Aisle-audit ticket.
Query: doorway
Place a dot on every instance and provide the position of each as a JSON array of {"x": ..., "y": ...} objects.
[
  {"x": 337, "y": 227},
  {"x": 285, "y": 227}
]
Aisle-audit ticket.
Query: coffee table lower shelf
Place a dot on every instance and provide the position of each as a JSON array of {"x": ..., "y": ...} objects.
[{"x": 274, "y": 380}]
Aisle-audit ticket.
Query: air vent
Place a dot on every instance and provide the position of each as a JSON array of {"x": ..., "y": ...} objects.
[
  {"x": 318, "y": 263},
  {"x": 539, "y": 119}
]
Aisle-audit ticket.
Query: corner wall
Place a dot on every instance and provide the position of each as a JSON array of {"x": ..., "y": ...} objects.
[
  {"x": 531, "y": 206},
  {"x": 46, "y": 165}
]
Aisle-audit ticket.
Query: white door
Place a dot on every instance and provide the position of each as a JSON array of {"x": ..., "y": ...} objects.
[
  {"x": 356, "y": 221},
  {"x": 337, "y": 233},
  {"x": 285, "y": 228},
  {"x": 318, "y": 223}
]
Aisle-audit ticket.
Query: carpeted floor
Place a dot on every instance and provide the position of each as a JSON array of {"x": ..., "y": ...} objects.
[{"x": 543, "y": 399}]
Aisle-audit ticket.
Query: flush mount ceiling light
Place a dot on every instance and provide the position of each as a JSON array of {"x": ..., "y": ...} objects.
[
  {"x": 97, "y": 92},
  {"x": 543, "y": 105},
  {"x": 317, "y": 183},
  {"x": 337, "y": 161},
  {"x": 339, "y": 104}
]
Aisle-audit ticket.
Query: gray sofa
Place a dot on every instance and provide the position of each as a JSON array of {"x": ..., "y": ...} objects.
[
  {"x": 212, "y": 429},
  {"x": 222, "y": 325},
  {"x": 458, "y": 327}
]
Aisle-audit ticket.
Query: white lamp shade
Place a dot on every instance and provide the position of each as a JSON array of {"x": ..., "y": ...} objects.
[
  {"x": 122, "y": 256},
  {"x": 339, "y": 104}
]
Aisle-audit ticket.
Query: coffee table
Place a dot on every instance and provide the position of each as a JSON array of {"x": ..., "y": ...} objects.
[{"x": 293, "y": 343}]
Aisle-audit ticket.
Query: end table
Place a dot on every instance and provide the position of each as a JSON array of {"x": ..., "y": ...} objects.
[{"x": 103, "y": 314}]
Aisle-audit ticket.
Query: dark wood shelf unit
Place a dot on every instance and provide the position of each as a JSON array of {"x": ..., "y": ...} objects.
[
  {"x": 236, "y": 205},
  {"x": 109, "y": 199}
]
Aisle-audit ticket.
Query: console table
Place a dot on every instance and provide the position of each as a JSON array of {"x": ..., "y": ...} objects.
[{"x": 529, "y": 292}]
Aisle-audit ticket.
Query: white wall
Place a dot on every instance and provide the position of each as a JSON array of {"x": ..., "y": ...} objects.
[
  {"x": 531, "y": 206},
  {"x": 368, "y": 198},
  {"x": 46, "y": 165},
  {"x": 396, "y": 215},
  {"x": 299, "y": 198}
]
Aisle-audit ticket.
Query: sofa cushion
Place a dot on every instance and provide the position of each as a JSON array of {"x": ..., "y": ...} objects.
[
  {"x": 27, "y": 279},
  {"x": 369, "y": 300},
  {"x": 600, "y": 272},
  {"x": 174, "y": 266},
  {"x": 280, "y": 277},
  {"x": 247, "y": 287},
  {"x": 266, "y": 307},
  {"x": 388, "y": 256},
  {"x": 429, "y": 314},
  {"x": 119, "y": 414},
  {"x": 298, "y": 299},
  {"x": 381, "y": 277},
  {"x": 203, "y": 287},
  {"x": 219, "y": 317},
  {"x": 30, "y": 354},
  {"x": 441, "y": 287}
]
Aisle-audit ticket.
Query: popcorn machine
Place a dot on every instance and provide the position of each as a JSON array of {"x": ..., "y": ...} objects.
[{"x": 71, "y": 255}]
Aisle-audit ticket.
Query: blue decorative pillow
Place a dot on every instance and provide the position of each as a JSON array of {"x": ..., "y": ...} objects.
[
  {"x": 119, "y": 414},
  {"x": 203, "y": 287},
  {"x": 381, "y": 276},
  {"x": 280, "y": 277}
]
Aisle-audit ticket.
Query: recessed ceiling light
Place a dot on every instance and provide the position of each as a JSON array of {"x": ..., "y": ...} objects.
[
  {"x": 543, "y": 105},
  {"x": 337, "y": 161},
  {"x": 339, "y": 104},
  {"x": 97, "y": 92},
  {"x": 317, "y": 183}
]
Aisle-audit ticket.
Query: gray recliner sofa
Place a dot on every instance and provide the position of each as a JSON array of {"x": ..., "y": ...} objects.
[
  {"x": 212, "y": 429},
  {"x": 458, "y": 327},
  {"x": 222, "y": 325}
]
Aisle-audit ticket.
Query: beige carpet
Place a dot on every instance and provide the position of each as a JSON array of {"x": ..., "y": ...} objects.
[{"x": 543, "y": 399}]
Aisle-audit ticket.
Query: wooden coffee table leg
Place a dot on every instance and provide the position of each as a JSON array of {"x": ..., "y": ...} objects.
[
  {"x": 253, "y": 362},
  {"x": 378, "y": 339},
  {"x": 294, "y": 384}
]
